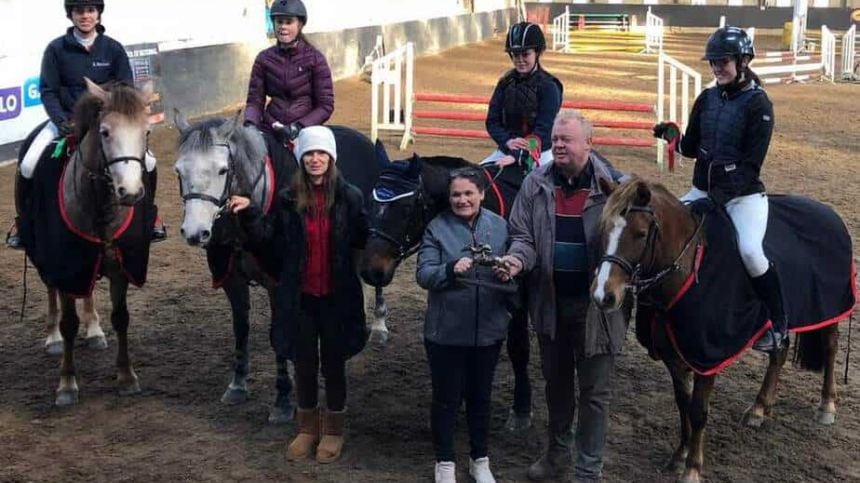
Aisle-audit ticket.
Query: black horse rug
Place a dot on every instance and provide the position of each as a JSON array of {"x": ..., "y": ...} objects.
[
  {"x": 717, "y": 315},
  {"x": 66, "y": 256}
]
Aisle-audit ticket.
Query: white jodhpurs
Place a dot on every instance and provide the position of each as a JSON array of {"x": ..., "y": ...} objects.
[
  {"x": 545, "y": 157},
  {"x": 37, "y": 147},
  {"x": 749, "y": 215},
  {"x": 149, "y": 161}
]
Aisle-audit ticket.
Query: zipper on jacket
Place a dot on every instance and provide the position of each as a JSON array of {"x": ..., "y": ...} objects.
[{"x": 472, "y": 229}]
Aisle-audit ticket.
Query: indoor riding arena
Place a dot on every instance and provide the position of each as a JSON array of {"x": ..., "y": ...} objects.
[{"x": 181, "y": 337}]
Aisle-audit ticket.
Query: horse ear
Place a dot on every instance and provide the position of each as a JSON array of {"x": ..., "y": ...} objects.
[
  {"x": 228, "y": 127},
  {"x": 180, "y": 120},
  {"x": 95, "y": 90},
  {"x": 643, "y": 194},
  {"x": 381, "y": 154},
  {"x": 606, "y": 185}
]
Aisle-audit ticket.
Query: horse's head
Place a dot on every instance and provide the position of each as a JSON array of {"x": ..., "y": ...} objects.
[
  {"x": 116, "y": 128},
  {"x": 210, "y": 166},
  {"x": 398, "y": 217},
  {"x": 630, "y": 230}
]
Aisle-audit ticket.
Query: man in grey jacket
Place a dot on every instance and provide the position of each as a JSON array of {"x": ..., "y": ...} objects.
[{"x": 555, "y": 244}]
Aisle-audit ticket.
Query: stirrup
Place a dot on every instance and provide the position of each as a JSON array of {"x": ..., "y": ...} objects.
[{"x": 771, "y": 341}]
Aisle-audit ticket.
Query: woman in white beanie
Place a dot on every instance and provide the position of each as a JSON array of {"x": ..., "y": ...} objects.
[{"x": 319, "y": 220}]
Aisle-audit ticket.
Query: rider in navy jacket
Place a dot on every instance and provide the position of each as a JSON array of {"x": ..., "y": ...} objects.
[
  {"x": 65, "y": 64},
  {"x": 526, "y": 99},
  {"x": 729, "y": 133}
]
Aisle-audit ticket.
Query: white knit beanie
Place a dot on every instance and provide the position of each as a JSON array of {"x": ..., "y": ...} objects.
[{"x": 314, "y": 138}]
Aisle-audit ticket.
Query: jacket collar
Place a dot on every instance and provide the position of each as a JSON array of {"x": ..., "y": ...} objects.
[
  {"x": 71, "y": 41},
  {"x": 544, "y": 175}
]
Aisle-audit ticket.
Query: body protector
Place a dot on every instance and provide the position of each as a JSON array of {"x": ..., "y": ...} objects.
[{"x": 521, "y": 101}]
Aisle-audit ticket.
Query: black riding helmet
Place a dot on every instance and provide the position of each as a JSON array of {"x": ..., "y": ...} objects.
[
  {"x": 71, "y": 4},
  {"x": 729, "y": 42},
  {"x": 523, "y": 36},
  {"x": 289, "y": 8}
]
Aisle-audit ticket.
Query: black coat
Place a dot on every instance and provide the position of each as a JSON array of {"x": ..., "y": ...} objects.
[{"x": 286, "y": 228}]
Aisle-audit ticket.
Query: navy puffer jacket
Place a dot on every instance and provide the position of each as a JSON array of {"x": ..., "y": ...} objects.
[{"x": 298, "y": 83}]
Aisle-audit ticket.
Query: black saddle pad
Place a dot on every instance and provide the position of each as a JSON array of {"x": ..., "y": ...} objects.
[{"x": 720, "y": 315}]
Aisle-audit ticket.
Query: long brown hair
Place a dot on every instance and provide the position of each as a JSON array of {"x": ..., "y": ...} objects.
[{"x": 303, "y": 189}]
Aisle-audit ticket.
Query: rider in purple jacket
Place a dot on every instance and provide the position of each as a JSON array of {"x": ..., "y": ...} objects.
[{"x": 292, "y": 74}]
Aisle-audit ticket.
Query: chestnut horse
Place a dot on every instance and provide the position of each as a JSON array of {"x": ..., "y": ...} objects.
[{"x": 654, "y": 245}]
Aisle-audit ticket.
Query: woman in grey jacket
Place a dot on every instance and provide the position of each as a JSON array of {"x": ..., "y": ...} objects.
[{"x": 465, "y": 323}]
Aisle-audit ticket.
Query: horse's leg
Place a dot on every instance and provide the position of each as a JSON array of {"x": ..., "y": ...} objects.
[
  {"x": 92, "y": 328},
  {"x": 379, "y": 325},
  {"x": 682, "y": 379},
  {"x": 826, "y": 413},
  {"x": 756, "y": 414},
  {"x": 519, "y": 418},
  {"x": 54, "y": 340},
  {"x": 282, "y": 411},
  {"x": 238, "y": 294},
  {"x": 125, "y": 377},
  {"x": 702, "y": 388},
  {"x": 67, "y": 391}
]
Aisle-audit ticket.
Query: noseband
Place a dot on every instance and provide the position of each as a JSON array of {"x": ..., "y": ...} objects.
[{"x": 637, "y": 271}]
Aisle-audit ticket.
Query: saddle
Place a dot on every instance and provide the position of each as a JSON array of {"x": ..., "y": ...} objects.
[{"x": 720, "y": 316}]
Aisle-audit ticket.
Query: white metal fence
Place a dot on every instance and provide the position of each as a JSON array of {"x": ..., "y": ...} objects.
[
  {"x": 691, "y": 86},
  {"x": 849, "y": 52},
  {"x": 653, "y": 33},
  {"x": 392, "y": 81}
]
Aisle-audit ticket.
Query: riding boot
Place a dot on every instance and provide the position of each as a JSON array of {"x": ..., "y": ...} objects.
[
  {"x": 309, "y": 434},
  {"x": 769, "y": 290},
  {"x": 159, "y": 229},
  {"x": 331, "y": 443},
  {"x": 23, "y": 202}
]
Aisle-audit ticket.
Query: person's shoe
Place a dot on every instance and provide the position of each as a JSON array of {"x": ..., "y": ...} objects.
[
  {"x": 446, "y": 472},
  {"x": 159, "y": 230},
  {"x": 549, "y": 467},
  {"x": 13, "y": 239},
  {"x": 331, "y": 443},
  {"x": 479, "y": 469},
  {"x": 771, "y": 341},
  {"x": 309, "y": 434}
]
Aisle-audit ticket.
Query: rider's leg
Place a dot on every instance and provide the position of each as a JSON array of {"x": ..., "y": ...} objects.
[
  {"x": 749, "y": 214},
  {"x": 493, "y": 157},
  {"x": 693, "y": 195},
  {"x": 159, "y": 231},
  {"x": 23, "y": 182}
]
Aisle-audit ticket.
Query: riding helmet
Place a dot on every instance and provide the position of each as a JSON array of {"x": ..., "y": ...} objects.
[
  {"x": 70, "y": 4},
  {"x": 315, "y": 138},
  {"x": 523, "y": 36},
  {"x": 289, "y": 8},
  {"x": 729, "y": 42}
]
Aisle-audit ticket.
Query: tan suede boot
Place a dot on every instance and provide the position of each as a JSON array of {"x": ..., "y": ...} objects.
[
  {"x": 331, "y": 443},
  {"x": 309, "y": 434}
]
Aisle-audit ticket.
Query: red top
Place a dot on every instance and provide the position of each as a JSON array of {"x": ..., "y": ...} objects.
[{"x": 317, "y": 276}]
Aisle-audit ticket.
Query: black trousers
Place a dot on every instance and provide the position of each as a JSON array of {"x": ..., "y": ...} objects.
[
  {"x": 318, "y": 349},
  {"x": 461, "y": 373}
]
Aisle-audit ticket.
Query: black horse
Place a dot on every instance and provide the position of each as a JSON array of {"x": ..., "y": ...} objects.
[
  {"x": 217, "y": 159},
  {"x": 407, "y": 196}
]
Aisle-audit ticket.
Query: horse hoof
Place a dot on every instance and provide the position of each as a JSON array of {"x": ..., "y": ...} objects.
[
  {"x": 518, "y": 423},
  {"x": 234, "y": 396},
  {"x": 66, "y": 398},
  {"x": 753, "y": 420},
  {"x": 129, "y": 389},
  {"x": 379, "y": 336},
  {"x": 281, "y": 415},
  {"x": 54, "y": 348},
  {"x": 98, "y": 343},
  {"x": 825, "y": 418}
]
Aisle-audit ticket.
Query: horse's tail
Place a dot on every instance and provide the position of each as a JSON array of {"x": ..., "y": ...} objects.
[{"x": 810, "y": 350}]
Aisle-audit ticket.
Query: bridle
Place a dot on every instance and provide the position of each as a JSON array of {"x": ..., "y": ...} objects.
[
  {"x": 408, "y": 245},
  {"x": 638, "y": 273}
]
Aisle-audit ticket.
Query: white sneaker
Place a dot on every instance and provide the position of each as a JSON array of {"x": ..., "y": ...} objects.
[
  {"x": 480, "y": 470},
  {"x": 446, "y": 472}
]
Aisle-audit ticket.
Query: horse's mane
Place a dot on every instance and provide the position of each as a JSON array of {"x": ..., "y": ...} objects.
[
  {"x": 626, "y": 195},
  {"x": 446, "y": 162},
  {"x": 122, "y": 99}
]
